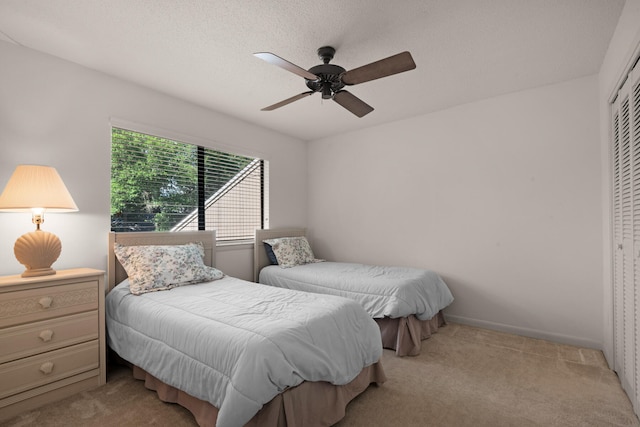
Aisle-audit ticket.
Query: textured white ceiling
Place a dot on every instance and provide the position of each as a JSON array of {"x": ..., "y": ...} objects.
[{"x": 201, "y": 50}]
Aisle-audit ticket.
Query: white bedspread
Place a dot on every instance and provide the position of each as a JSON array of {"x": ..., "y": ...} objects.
[
  {"x": 382, "y": 291},
  {"x": 237, "y": 344}
]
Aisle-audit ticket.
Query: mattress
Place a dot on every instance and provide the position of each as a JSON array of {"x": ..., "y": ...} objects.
[
  {"x": 237, "y": 344},
  {"x": 381, "y": 290}
]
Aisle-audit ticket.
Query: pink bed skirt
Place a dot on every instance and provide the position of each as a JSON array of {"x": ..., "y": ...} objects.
[
  {"x": 405, "y": 334},
  {"x": 310, "y": 403}
]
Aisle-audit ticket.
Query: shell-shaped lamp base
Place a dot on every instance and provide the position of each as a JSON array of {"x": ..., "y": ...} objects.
[{"x": 37, "y": 250}]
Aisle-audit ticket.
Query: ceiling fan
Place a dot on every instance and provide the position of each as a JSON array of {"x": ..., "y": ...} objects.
[{"x": 329, "y": 79}]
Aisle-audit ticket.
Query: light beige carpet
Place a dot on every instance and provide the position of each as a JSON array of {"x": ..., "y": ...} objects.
[{"x": 465, "y": 376}]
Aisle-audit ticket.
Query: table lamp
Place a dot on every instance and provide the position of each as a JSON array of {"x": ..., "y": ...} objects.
[{"x": 36, "y": 189}]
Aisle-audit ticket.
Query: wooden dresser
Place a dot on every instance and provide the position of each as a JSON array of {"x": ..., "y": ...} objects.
[{"x": 52, "y": 338}]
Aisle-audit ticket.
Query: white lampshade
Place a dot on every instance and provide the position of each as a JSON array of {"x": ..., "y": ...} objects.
[{"x": 37, "y": 189}]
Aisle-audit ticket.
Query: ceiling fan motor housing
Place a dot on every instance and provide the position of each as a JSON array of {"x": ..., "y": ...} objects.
[
  {"x": 328, "y": 79},
  {"x": 329, "y": 76}
]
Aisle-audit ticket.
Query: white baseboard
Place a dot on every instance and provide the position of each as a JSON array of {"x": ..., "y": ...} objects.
[{"x": 531, "y": 333}]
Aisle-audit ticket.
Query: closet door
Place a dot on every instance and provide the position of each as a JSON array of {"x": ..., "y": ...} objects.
[
  {"x": 618, "y": 258},
  {"x": 626, "y": 234}
]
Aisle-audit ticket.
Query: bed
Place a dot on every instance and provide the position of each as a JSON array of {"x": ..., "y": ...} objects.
[
  {"x": 406, "y": 303},
  {"x": 227, "y": 351}
]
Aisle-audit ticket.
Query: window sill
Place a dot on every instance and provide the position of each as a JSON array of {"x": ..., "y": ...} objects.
[{"x": 234, "y": 246}]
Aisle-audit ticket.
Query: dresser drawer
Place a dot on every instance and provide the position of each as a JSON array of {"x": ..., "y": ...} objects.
[
  {"x": 35, "y": 371},
  {"x": 21, "y": 341},
  {"x": 47, "y": 302}
]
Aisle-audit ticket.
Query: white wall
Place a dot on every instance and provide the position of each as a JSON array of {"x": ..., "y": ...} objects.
[
  {"x": 57, "y": 113},
  {"x": 623, "y": 48},
  {"x": 501, "y": 197}
]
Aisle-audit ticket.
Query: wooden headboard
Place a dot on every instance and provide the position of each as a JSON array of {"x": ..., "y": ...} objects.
[
  {"x": 260, "y": 259},
  {"x": 116, "y": 273}
]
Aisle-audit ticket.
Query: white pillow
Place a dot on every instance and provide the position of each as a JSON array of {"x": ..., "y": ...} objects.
[
  {"x": 291, "y": 251},
  {"x": 161, "y": 267}
]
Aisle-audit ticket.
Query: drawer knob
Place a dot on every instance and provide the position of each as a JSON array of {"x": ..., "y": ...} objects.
[
  {"x": 46, "y": 335},
  {"x": 45, "y": 302},
  {"x": 46, "y": 368}
]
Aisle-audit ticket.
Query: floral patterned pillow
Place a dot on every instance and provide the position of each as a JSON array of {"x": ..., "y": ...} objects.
[
  {"x": 291, "y": 251},
  {"x": 161, "y": 267}
]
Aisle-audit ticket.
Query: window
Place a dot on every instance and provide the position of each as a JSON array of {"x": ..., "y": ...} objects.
[{"x": 158, "y": 184}]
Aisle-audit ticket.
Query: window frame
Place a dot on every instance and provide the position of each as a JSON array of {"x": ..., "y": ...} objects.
[{"x": 203, "y": 145}]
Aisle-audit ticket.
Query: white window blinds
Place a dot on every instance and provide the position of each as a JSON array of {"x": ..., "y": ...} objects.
[{"x": 158, "y": 184}]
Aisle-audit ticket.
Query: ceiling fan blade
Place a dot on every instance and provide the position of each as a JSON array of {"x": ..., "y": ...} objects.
[
  {"x": 352, "y": 103},
  {"x": 287, "y": 101},
  {"x": 283, "y": 63},
  {"x": 395, "y": 64}
]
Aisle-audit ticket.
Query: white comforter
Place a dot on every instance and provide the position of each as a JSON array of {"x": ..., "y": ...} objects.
[
  {"x": 237, "y": 344},
  {"x": 382, "y": 291}
]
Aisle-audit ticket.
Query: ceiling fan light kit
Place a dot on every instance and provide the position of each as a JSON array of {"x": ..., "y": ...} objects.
[{"x": 330, "y": 79}]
